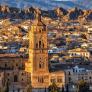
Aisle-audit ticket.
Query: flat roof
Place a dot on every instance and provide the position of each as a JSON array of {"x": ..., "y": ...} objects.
[{"x": 10, "y": 55}]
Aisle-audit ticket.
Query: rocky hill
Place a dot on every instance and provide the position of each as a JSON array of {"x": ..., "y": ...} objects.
[{"x": 29, "y": 13}]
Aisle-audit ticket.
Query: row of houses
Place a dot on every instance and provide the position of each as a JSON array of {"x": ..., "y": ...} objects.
[{"x": 75, "y": 73}]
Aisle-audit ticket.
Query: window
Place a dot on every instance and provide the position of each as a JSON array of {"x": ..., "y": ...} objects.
[
  {"x": 41, "y": 64},
  {"x": 72, "y": 54},
  {"x": 36, "y": 45},
  {"x": 82, "y": 78},
  {"x": 53, "y": 80},
  {"x": 8, "y": 74},
  {"x": 89, "y": 77},
  {"x": 8, "y": 79},
  {"x": 43, "y": 45},
  {"x": 40, "y": 30},
  {"x": 15, "y": 78},
  {"x": 69, "y": 73},
  {"x": 73, "y": 70},
  {"x": 59, "y": 80},
  {"x": 22, "y": 74},
  {"x": 39, "y": 44},
  {"x": 69, "y": 79},
  {"x": 6, "y": 65},
  {"x": 40, "y": 79},
  {"x": 16, "y": 64}
]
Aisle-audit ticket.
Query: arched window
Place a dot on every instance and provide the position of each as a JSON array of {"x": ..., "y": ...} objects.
[
  {"x": 40, "y": 79},
  {"x": 41, "y": 64},
  {"x": 5, "y": 65},
  {"x": 40, "y": 30},
  {"x": 15, "y": 78},
  {"x": 43, "y": 45},
  {"x": 36, "y": 45},
  {"x": 39, "y": 44}
]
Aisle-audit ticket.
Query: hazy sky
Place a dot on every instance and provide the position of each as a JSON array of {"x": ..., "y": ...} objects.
[
  {"x": 49, "y": 4},
  {"x": 64, "y": 0}
]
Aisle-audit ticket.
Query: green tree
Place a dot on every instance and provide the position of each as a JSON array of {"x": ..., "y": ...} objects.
[
  {"x": 29, "y": 87},
  {"x": 83, "y": 86},
  {"x": 7, "y": 87},
  {"x": 62, "y": 88},
  {"x": 53, "y": 87}
]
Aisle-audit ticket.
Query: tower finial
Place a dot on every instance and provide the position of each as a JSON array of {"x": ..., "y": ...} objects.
[{"x": 38, "y": 14}]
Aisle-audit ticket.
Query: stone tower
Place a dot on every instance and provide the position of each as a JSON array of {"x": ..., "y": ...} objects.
[{"x": 37, "y": 64}]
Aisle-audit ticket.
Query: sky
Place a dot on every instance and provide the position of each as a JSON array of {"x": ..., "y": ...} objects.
[
  {"x": 64, "y": 0},
  {"x": 49, "y": 4}
]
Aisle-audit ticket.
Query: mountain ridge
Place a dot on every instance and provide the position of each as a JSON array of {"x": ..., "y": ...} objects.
[{"x": 29, "y": 12}]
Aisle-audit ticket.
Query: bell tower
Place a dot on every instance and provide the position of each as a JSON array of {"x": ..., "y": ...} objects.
[{"x": 37, "y": 64}]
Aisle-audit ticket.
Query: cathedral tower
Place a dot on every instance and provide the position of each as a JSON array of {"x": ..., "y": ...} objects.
[{"x": 38, "y": 53}]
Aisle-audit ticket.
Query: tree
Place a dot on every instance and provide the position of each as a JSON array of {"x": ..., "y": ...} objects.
[
  {"x": 53, "y": 87},
  {"x": 7, "y": 87},
  {"x": 83, "y": 86},
  {"x": 62, "y": 88},
  {"x": 67, "y": 87},
  {"x": 29, "y": 87},
  {"x": 2, "y": 90}
]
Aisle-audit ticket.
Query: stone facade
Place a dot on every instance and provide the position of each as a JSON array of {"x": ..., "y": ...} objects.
[{"x": 75, "y": 74}]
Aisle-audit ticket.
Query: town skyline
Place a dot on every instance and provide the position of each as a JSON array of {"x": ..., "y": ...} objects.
[{"x": 45, "y": 46}]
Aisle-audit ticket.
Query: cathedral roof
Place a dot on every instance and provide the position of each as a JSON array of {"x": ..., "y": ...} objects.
[
  {"x": 38, "y": 23},
  {"x": 9, "y": 55},
  {"x": 64, "y": 67}
]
